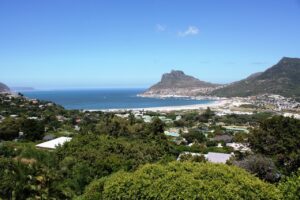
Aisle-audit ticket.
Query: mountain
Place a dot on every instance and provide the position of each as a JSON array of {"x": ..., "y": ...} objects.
[
  {"x": 283, "y": 79},
  {"x": 177, "y": 83},
  {"x": 4, "y": 88}
]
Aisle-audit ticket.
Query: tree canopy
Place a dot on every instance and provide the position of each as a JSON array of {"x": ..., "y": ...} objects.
[
  {"x": 182, "y": 180},
  {"x": 278, "y": 138}
]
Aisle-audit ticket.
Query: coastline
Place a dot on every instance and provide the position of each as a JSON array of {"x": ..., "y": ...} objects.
[{"x": 213, "y": 104}]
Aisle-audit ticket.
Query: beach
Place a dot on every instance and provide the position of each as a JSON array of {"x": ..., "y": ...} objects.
[{"x": 214, "y": 104}]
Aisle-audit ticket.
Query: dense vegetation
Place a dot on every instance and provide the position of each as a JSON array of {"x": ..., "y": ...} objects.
[
  {"x": 109, "y": 153},
  {"x": 182, "y": 181},
  {"x": 279, "y": 139}
]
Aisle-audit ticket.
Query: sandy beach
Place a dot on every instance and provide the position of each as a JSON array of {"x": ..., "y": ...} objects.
[{"x": 214, "y": 104}]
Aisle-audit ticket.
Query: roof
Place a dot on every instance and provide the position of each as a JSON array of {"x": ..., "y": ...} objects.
[
  {"x": 217, "y": 157},
  {"x": 52, "y": 144},
  {"x": 172, "y": 134},
  {"x": 238, "y": 147},
  {"x": 211, "y": 157}
]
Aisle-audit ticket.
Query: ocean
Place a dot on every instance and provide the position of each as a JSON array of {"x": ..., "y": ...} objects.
[{"x": 100, "y": 99}]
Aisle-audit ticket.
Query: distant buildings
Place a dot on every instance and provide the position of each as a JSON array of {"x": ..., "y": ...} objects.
[
  {"x": 239, "y": 147},
  {"x": 210, "y": 157}
]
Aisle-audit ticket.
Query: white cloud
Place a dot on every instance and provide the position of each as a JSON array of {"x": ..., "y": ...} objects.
[
  {"x": 191, "y": 30},
  {"x": 160, "y": 28}
]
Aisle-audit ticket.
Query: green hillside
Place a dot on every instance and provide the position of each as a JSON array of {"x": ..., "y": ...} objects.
[
  {"x": 283, "y": 79},
  {"x": 4, "y": 88}
]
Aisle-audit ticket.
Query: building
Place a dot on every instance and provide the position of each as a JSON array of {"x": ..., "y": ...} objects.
[
  {"x": 53, "y": 144},
  {"x": 239, "y": 147},
  {"x": 211, "y": 156},
  {"x": 218, "y": 157}
]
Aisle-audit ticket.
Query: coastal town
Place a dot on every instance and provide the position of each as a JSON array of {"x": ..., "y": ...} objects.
[{"x": 219, "y": 137}]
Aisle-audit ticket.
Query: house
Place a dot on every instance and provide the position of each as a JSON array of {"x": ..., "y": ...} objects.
[
  {"x": 53, "y": 144},
  {"x": 239, "y": 147},
  {"x": 220, "y": 145},
  {"x": 147, "y": 118},
  {"x": 210, "y": 157},
  {"x": 179, "y": 117},
  {"x": 172, "y": 134},
  {"x": 218, "y": 157}
]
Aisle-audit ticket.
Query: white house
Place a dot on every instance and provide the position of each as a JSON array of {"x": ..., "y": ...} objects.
[
  {"x": 239, "y": 147},
  {"x": 53, "y": 144},
  {"x": 218, "y": 157},
  {"x": 211, "y": 156}
]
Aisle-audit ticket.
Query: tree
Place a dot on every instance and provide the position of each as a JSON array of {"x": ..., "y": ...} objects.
[
  {"x": 279, "y": 138},
  {"x": 261, "y": 166},
  {"x": 193, "y": 135},
  {"x": 191, "y": 158},
  {"x": 33, "y": 130},
  {"x": 182, "y": 180},
  {"x": 156, "y": 127},
  {"x": 102, "y": 155},
  {"x": 290, "y": 186},
  {"x": 9, "y": 129}
]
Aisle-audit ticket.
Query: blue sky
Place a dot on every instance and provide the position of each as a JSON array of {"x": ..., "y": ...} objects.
[{"x": 94, "y": 43}]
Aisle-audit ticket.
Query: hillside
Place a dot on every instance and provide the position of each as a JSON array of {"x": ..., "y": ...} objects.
[
  {"x": 178, "y": 83},
  {"x": 4, "y": 88},
  {"x": 283, "y": 79}
]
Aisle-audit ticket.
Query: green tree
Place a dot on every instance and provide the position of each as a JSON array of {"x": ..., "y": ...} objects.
[
  {"x": 156, "y": 127},
  {"x": 182, "y": 180},
  {"x": 279, "y": 138},
  {"x": 33, "y": 129},
  {"x": 290, "y": 186},
  {"x": 9, "y": 129},
  {"x": 260, "y": 166},
  {"x": 193, "y": 135}
]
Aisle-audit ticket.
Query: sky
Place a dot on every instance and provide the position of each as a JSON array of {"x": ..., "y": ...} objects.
[{"x": 114, "y": 43}]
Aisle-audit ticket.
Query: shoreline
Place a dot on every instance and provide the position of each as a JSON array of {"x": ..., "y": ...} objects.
[{"x": 213, "y": 104}]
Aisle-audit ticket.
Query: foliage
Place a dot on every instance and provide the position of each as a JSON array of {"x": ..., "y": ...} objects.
[
  {"x": 244, "y": 119},
  {"x": 260, "y": 166},
  {"x": 279, "y": 138},
  {"x": 9, "y": 129},
  {"x": 192, "y": 158},
  {"x": 290, "y": 186},
  {"x": 23, "y": 178},
  {"x": 240, "y": 137},
  {"x": 194, "y": 135},
  {"x": 33, "y": 130},
  {"x": 102, "y": 155},
  {"x": 182, "y": 180}
]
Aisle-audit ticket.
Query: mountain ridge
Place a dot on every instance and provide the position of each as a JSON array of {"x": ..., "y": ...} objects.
[
  {"x": 177, "y": 83},
  {"x": 4, "y": 88},
  {"x": 282, "y": 78}
]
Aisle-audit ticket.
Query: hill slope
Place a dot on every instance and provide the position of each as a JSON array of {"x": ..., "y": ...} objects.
[
  {"x": 4, "y": 88},
  {"x": 283, "y": 79},
  {"x": 178, "y": 83}
]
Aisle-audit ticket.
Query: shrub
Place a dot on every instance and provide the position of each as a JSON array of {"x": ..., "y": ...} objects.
[
  {"x": 182, "y": 180},
  {"x": 290, "y": 186}
]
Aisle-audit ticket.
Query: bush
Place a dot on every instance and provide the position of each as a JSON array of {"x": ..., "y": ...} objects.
[
  {"x": 182, "y": 180},
  {"x": 279, "y": 138},
  {"x": 261, "y": 166},
  {"x": 290, "y": 186}
]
